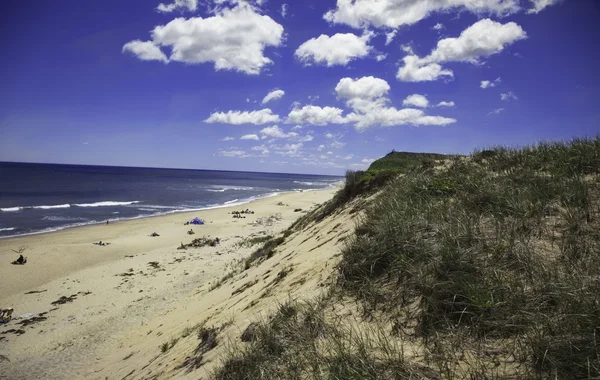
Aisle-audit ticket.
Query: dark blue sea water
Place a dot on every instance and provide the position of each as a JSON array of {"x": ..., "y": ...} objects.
[{"x": 46, "y": 197}]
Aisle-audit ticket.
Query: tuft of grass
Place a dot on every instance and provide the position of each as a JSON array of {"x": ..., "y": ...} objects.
[
  {"x": 166, "y": 346},
  {"x": 266, "y": 251}
]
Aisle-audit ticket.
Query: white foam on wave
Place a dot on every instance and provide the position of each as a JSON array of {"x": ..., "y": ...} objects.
[
  {"x": 230, "y": 202},
  {"x": 11, "y": 209},
  {"x": 42, "y": 207},
  {"x": 222, "y": 188},
  {"x": 64, "y": 218},
  {"x": 106, "y": 204},
  {"x": 312, "y": 183},
  {"x": 7, "y": 229},
  {"x": 51, "y": 207}
]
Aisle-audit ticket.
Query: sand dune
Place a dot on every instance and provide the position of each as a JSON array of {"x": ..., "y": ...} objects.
[{"x": 104, "y": 311}]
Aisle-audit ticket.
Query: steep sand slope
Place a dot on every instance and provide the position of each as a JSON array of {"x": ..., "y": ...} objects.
[{"x": 299, "y": 270}]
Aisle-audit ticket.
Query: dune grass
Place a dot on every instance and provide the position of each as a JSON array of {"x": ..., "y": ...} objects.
[{"x": 491, "y": 263}]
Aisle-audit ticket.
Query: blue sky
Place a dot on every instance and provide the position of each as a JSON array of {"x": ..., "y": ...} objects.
[{"x": 184, "y": 83}]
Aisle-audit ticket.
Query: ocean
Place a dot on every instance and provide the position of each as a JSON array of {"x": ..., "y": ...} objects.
[{"x": 37, "y": 198}]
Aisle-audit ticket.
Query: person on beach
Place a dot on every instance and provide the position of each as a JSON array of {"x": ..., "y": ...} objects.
[
  {"x": 6, "y": 315},
  {"x": 21, "y": 260}
]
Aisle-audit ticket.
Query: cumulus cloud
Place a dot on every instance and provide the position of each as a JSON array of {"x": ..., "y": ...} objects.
[
  {"x": 145, "y": 50},
  {"x": 482, "y": 39},
  {"x": 190, "y": 5},
  {"x": 445, "y": 104},
  {"x": 438, "y": 26},
  {"x": 274, "y": 132},
  {"x": 496, "y": 111},
  {"x": 321, "y": 147},
  {"x": 538, "y": 5},
  {"x": 414, "y": 71},
  {"x": 273, "y": 95},
  {"x": 508, "y": 96},
  {"x": 367, "y": 97},
  {"x": 233, "y": 39},
  {"x": 489, "y": 83},
  {"x": 227, "y": 138},
  {"x": 363, "y": 88},
  {"x": 297, "y": 128},
  {"x": 389, "y": 37},
  {"x": 263, "y": 116},
  {"x": 329, "y": 135},
  {"x": 337, "y": 145},
  {"x": 416, "y": 100},
  {"x": 316, "y": 115},
  {"x": 395, "y": 13},
  {"x": 249, "y": 137},
  {"x": 339, "y": 49}
]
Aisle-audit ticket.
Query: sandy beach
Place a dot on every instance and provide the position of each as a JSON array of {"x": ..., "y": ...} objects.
[{"x": 88, "y": 301}]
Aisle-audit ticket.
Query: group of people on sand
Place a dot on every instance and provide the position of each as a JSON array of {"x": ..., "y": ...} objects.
[{"x": 239, "y": 214}]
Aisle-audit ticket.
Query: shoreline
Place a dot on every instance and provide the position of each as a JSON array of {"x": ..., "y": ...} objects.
[{"x": 233, "y": 203}]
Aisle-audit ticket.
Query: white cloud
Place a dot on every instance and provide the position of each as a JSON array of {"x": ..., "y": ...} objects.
[
  {"x": 306, "y": 138},
  {"x": 249, "y": 137},
  {"x": 259, "y": 147},
  {"x": 395, "y": 13},
  {"x": 363, "y": 88},
  {"x": 389, "y": 37},
  {"x": 445, "y": 104},
  {"x": 227, "y": 138},
  {"x": 330, "y": 152},
  {"x": 367, "y": 160},
  {"x": 337, "y": 145},
  {"x": 496, "y": 111},
  {"x": 329, "y": 135},
  {"x": 413, "y": 71},
  {"x": 247, "y": 100},
  {"x": 367, "y": 97},
  {"x": 380, "y": 57},
  {"x": 234, "y": 153},
  {"x": 273, "y": 95},
  {"x": 274, "y": 132},
  {"x": 283, "y": 11},
  {"x": 416, "y": 100},
  {"x": 190, "y": 5},
  {"x": 290, "y": 150},
  {"x": 146, "y": 51},
  {"x": 233, "y": 39},
  {"x": 339, "y": 49},
  {"x": 489, "y": 83},
  {"x": 297, "y": 128},
  {"x": 539, "y": 5},
  {"x": 508, "y": 96},
  {"x": 263, "y": 116},
  {"x": 316, "y": 115},
  {"x": 321, "y": 147},
  {"x": 348, "y": 157},
  {"x": 482, "y": 39},
  {"x": 438, "y": 26}
]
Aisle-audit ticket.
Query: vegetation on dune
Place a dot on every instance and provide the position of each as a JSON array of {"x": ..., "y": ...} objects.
[
  {"x": 491, "y": 263},
  {"x": 405, "y": 161}
]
